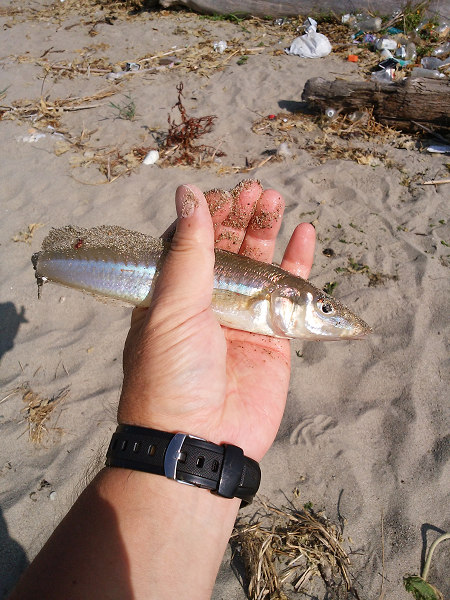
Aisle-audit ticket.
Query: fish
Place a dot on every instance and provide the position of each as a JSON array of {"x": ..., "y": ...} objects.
[{"x": 112, "y": 263}]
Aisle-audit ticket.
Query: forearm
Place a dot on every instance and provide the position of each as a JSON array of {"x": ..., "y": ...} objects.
[{"x": 133, "y": 535}]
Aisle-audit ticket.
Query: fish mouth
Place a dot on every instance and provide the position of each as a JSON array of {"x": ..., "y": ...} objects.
[{"x": 362, "y": 332}]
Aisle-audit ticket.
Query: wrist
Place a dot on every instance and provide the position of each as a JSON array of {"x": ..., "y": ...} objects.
[{"x": 222, "y": 469}]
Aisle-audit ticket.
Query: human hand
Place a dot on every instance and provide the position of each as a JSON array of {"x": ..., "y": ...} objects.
[{"x": 182, "y": 370}]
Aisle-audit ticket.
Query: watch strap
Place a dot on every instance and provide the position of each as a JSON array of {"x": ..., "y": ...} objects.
[{"x": 224, "y": 470}]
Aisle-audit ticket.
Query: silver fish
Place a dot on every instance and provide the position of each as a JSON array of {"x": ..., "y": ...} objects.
[{"x": 114, "y": 263}]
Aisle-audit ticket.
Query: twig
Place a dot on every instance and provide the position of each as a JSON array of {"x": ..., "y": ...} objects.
[
  {"x": 382, "y": 557},
  {"x": 263, "y": 162},
  {"x": 68, "y": 108},
  {"x": 81, "y": 69},
  {"x": 159, "y": 55},
  {"x": 433, "y": 133},
  {"x": 435, "y": 182},
  {"x": 9, "y": 395},
  {"x": 214, "y": 153}
]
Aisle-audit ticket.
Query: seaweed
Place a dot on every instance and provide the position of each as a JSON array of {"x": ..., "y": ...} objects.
[{"x": 181, "y": 137}]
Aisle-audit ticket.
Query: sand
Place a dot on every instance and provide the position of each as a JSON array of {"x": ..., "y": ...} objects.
[{"x": 365, "y": 435}]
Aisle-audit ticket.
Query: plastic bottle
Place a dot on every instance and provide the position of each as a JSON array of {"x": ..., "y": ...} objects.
[
  {"x": 357, "y": 116},
  {"x": 373, "y": 24},
  {"x": 442, "y": 51},
  {"x": 331, "y": 113},
  {"x": 386, "y": 43},
  {"x": 431, "y": 62},
  {"x": 443, "y": 29},
  {"x": 386, "y": 53},
  {"x": 428, "y": 73},
  {"x": 411, "y": 53}
]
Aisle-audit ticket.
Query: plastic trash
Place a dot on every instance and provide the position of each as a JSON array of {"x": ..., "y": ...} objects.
[
  {"x": 331, "y": 113},
  {"x": 312, "y": 44},
  {"x": 309, "y": 24},
  {"x": 384, "y": 76},
  {"x": 411, "y": 53},
  {"x": 33, "y": 137},
  {"x": 387, "y": 54},
  {"x": 131, "y": 66},
  {"x": 443, "y": 29},
  {"x": 151, "y": 157},
  {"x": 220, "y": 47},
  {"x": 369, "y": 38},
  {"x": 348, "y": 19},
  {"x": 283, "y": 150},
  {"x": 442, "y": 50},
  {"x": 389, "y": 63},
  {"x": 356, "y": 116},
  {"x": 401, "y": 52},
  {"x": 386, "y": 43},
  {"x": 428, "y": 73},
  {"x": 373, "y": 24},
  {"x": 431, "y": 62},
  {"x": 439, "y": 149}
]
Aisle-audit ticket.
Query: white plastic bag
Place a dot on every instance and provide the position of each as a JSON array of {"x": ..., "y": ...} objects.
[{"x": 310, "y": 45}]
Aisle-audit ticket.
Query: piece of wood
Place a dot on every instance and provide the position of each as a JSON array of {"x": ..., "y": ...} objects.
[
  {"x": 293, "y": 8},
  {"x": 396, "y": 104}
]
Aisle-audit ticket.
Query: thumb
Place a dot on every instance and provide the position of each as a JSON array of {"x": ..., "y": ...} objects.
[{"x": 185, "y": 283}]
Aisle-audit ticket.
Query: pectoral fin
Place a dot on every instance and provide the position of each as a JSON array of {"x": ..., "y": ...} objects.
[{"x": 239, "y": 311}]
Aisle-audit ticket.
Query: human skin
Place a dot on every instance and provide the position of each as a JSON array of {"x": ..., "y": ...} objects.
[{"x": 134, "y": 535}]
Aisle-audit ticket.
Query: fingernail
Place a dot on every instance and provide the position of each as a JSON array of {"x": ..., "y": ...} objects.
[{"x": 185, "y": 201}]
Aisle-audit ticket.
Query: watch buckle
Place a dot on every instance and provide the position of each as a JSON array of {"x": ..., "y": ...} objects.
[{"x": 174, "y": 454}]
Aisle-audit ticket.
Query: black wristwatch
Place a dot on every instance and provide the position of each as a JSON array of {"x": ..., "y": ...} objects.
[{"x": 224, "y": 470}]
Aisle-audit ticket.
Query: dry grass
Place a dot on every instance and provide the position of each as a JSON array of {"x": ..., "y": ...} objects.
[
  {"x": 292, "y": 546},
  {"x": 27, "y": 235},
  {"x": 38, "y": 411},
  {"x": 334, "y": 139},
  {"x": 43, "y": 112}
]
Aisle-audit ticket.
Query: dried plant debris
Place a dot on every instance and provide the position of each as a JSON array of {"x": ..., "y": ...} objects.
[
  {"x": 332, "y": 137},
  {"x": 44, "y": 112},
  {"x": 353, "y": 267},
  {"x": 286, "y": 548},
  {"x": 178, "y": 148},
  {"x": 27, "y": 235},
  {"x": 111, "y": 162},
  {"x": 38, "y": 411}
]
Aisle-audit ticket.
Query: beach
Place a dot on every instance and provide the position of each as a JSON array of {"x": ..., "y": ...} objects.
[{"x": 365, "y": 435}]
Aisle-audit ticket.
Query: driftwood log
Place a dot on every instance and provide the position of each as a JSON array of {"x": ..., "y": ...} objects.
[
  {"x": 293, "y": 8},
  {"x": 424, "y": 101}
]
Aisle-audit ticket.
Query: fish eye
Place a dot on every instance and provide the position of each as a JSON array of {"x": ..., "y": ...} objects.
[{"x": 326, "y": 307}]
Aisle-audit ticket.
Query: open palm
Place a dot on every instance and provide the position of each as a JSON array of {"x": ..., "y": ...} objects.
[{"x": 182, "y": 370}]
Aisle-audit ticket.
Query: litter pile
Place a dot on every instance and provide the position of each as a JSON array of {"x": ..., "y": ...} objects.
[{"x": 409, "y": 42}]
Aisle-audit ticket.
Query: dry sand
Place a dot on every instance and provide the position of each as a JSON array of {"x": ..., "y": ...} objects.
[{"x": 365, "y": 435}]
